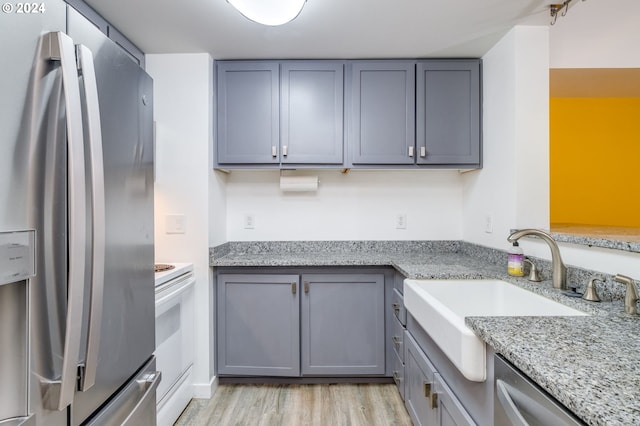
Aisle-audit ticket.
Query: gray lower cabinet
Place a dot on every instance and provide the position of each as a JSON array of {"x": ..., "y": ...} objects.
[
  {"x": 419, "y": 375},
  {"x": 448, "y": 112},
  {"x": 278, "y": 325},
  {"x": 450, "y": 410},
  {"x": 428, "y": 399},
  {"x": 342, "y": 325},
  {"x": 382, "y": 112},
  {"x": 258, "y": 320},
  {"x": 396, "y": 339}
]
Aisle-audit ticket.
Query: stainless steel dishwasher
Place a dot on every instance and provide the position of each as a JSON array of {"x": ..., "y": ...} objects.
[{"x": 520, "y": 402}]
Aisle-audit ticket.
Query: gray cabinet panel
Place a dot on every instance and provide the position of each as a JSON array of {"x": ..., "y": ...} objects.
[
  {"x": 448, "y": 112},
  {"x": 311, "y": 108},
  {"x": 450, "y": 410},
  {"x": 258, "y": 325},
  {"x": 343, "y": 324},
  {"x": 397, "y": 359},
  {"x": 382, "y": 125},
  {"x": 248, "y": 129},
  {"x": 419, "y": 381}
]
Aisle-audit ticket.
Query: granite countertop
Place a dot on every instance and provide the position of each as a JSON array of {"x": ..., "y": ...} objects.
[{"x": 590, "y": 364}]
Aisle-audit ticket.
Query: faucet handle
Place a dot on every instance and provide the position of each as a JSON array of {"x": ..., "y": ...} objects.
[
  {"x": 534, "y": 275},
  {"x": 590, "y": 293},
  {"x": 631, "y": 295}
]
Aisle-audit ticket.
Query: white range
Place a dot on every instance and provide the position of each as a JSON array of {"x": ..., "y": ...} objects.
[{"x": 174, "y": 340}]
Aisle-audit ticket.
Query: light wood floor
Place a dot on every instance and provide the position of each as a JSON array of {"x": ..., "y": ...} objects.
[{"x": 295, "y": 405}]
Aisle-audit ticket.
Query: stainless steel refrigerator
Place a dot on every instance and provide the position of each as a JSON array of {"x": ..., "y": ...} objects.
[{"x": 76, "y": 204}]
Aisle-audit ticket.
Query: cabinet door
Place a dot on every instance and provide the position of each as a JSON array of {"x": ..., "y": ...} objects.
[
  {"x": 382, "y": 116},
  {"x": 258, "y": 325},
  {"x": 448, "y": 112},
  {"x": 450, "y": 410},
  {"x": 311, "y": 110},
  {"x": 342, "y": 325},
  {"x": 419, "y": 393},
  {"x": 247, "y": 112}
]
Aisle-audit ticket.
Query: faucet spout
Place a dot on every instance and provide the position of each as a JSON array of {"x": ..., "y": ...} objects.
[{"x": 558, "y": 269}]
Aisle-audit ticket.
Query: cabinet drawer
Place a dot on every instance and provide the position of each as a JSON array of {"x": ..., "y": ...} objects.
[
  {"x": 397, "y": 369},
  {"x": 397, "y": 304},
  {"x": 397, "y": 338}
]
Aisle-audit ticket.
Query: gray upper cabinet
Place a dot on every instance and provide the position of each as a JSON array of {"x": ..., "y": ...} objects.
[
  {"x": 258, "y": 319},
  {"x": 448, "y": 112},
  {"x": 382, "y": 101},
  {"x": 399, "y": 113},
  {"x": 109, "y": 30},
  {"x": 311, "y": 112},
  {"x": 273, "y": 113},
  {"x": 248, "y": 130},
  {"x": 342, "y": 324}
]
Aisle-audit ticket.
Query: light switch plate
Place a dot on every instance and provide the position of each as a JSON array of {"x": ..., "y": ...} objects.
[{"x": 176, "y": 224}]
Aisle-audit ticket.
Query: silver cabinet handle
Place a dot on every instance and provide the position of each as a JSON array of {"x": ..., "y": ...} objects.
[
  {"x": 98, "y": 230},
  {"x": 423, "y": 151},
  {"x": 59, "y": 47},
  {"x": 509, "y": 406},
  {"x": 284, "y": 150},
  {"x": 411, "y": 151},
  {"x": 274, "y": 151}
]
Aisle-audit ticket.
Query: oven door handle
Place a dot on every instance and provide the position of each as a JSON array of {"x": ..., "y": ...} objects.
[
  {"x": 178, "y": 290},
  {"x": 508, "y": 405}
]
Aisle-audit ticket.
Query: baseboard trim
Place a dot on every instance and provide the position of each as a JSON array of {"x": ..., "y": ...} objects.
[{"x": 205, "y": 390}]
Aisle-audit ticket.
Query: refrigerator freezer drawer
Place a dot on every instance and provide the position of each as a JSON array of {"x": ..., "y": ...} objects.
[{"x": 135, "y": 404}]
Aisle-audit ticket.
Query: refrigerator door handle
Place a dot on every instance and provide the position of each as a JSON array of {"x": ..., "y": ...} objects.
[
  {"x": 59, "y": 47},
  {"x": 93, "y": 131}
]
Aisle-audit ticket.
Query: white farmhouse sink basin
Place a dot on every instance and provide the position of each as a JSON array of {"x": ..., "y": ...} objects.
[{"x": 440, "y": 307}]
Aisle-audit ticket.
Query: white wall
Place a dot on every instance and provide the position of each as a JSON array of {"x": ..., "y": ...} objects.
[
  {"x": 182, "y": 112},
  {"x": 359, "y": 205},
  {"x": 513, "y": 186},
  {"x": 597, "y": 34}
]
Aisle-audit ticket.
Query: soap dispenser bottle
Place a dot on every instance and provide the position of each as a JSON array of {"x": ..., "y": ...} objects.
[{"x": 515, "y": 260}]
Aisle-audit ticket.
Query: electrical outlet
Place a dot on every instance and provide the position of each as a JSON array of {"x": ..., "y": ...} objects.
[
  {"x": 401, "y": 221},
  {"x": 249, "y": 221},
  {"x": 488, "y": 223}
]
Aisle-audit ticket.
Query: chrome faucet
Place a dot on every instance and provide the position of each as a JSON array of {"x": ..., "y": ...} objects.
[
  {"x": 559, "y": 271},
  {"x": 631, "y": 296}
]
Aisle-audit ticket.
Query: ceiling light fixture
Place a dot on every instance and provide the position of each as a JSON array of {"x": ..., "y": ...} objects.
[{"x": 269, "y": 12}]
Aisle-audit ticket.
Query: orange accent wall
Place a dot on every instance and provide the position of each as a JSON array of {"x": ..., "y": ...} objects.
[{"x": 595, "y": 161}]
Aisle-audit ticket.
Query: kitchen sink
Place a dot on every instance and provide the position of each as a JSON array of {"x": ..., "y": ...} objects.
[{"x": 440, "y": 307}]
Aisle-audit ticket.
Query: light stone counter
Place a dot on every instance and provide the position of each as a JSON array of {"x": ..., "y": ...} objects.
[{"x": 590, "y": 364}]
